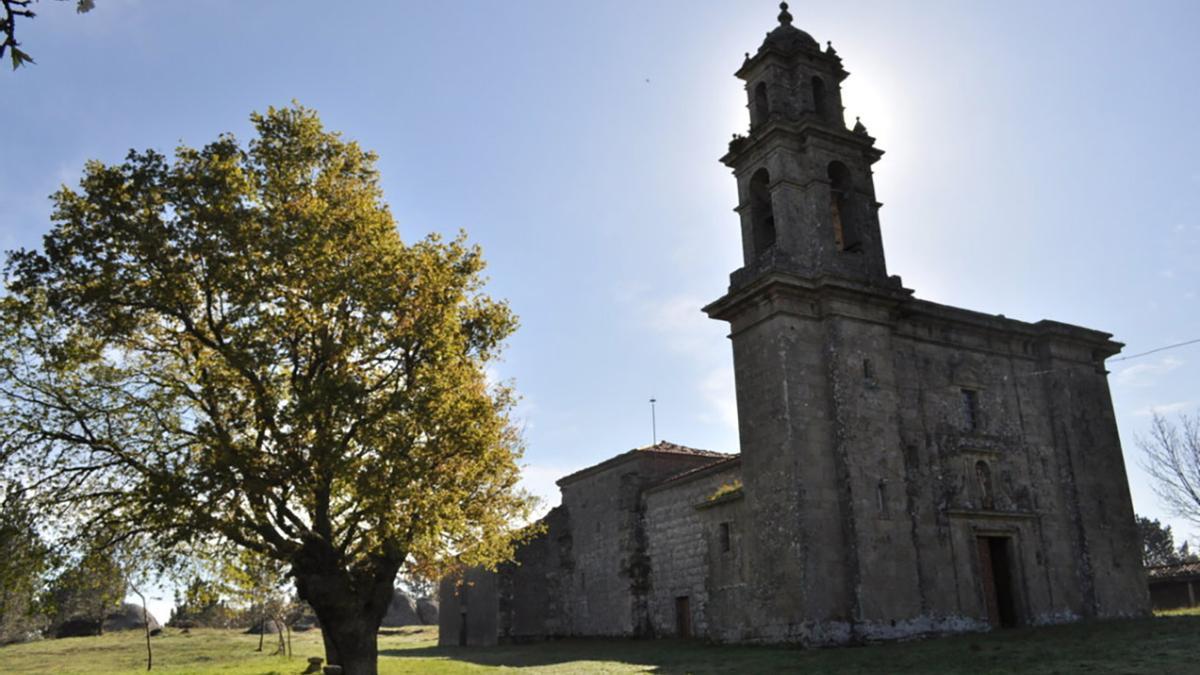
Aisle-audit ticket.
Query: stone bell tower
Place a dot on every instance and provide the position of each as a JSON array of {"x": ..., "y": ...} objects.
[
  {"x": 810, "y": 313},
  {"x": 806, "y": 197}
]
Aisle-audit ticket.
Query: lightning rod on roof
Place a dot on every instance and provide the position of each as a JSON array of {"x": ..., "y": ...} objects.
[{"x": 653, "y": 423}]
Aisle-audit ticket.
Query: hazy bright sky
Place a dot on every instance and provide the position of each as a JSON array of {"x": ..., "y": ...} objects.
[{"x": 1041, "y": 163}]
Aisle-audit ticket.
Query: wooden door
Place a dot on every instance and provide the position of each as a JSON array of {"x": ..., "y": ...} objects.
[
  {"x": 998, "y": 578},
  {"x": 683, "y": 617},
  {"x": 987, "y": 576}
]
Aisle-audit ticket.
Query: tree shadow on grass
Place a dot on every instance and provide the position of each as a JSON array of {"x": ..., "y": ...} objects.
[
  {"x": 669, "y": 657},
  {"x": 1134, "y": 646}
]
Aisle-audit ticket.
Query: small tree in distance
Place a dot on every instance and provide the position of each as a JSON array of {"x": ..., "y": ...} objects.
[
  {"x": 260, "y": 583},
  {"x": 238, "y": 346},
  {"x": 24, "y": 561},
  {"x": 87, "y": 590},
  {"x": 1158, "y": 544}
]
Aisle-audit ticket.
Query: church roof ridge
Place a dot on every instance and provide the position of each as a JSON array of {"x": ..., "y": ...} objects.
[
  {"x": 676, "y": 449},
  {"x": 659, "y": 448}
]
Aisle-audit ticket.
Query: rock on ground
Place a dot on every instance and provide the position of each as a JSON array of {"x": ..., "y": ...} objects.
[
  {"x": 427, "y": 610},
  {"x": 402, "y": 612},
  {"x": 269, "y": 626},
  {"x": 128, "y": 617}
]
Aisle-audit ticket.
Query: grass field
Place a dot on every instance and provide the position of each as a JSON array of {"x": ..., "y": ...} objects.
[{"x": 1166, "y": 644}]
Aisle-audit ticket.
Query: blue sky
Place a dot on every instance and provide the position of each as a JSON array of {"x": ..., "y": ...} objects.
[{"x": 1041, "y": 163}]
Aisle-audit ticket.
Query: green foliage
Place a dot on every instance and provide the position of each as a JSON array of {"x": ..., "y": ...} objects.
[
  {"x": 237, "y": 345},
  {"x": 24, "y": 559},
  {"x": 726, "y": 489},
  {"x": 14, "y": 9},
  {"x": 200, "y": 603},
  {"x": 260, "y": 585},
  {"x": 89, "y": 589},
  {"x": 1158, "y": 544}
]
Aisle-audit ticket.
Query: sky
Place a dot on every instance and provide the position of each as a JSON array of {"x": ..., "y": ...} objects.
[{"x": 1042, "y": 162}]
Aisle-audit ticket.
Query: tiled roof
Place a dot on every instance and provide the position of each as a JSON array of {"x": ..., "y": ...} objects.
[
  {"x": 660, "y": 448},
  {"x": 1188, "y": 569},
  {"x": 675, "y": 449}
]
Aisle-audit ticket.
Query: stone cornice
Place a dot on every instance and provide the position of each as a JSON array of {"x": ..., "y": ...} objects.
[
  {"x": 801, "y": 131},
  {"x": 831, "y": 296}
]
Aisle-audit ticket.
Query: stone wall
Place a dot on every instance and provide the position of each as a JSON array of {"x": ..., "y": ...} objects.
[
  {"x": 531, "y": 587},
  {"x": 604, "y": 593},
  {"x": 682, "y": 527},
  {"x": 587, "y": 574},
  {"x": 469, "y": 608},
  {"x": 865, "y": 475}
]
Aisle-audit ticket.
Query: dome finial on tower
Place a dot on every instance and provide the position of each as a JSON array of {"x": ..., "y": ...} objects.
[{"x": 785, "y": 17}]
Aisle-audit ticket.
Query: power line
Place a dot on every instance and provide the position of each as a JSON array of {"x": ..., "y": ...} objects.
[
  {"x": 1155, "y": 351},
  {"x": 1123, "y": 358}
]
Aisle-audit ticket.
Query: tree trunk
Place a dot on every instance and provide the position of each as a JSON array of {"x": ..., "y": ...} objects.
[
  {"x": 350, "y": 605},
  {"x": 146, "y": 625}
]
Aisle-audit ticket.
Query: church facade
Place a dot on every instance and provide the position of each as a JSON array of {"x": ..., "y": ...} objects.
[{"x": 906, "y": 468}]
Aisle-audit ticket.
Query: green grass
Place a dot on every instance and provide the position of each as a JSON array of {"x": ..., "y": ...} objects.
[
  {"x": 1158, "y": 646},
  {"x": 1183, "y": 611}
]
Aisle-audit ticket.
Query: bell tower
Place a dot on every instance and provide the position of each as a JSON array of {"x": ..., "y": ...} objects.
[
  {"x": 805, "y": 192},
  {"x": 811, "y": 319}
]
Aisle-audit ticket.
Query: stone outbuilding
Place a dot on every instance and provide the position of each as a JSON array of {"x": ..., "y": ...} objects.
[
  {"x": 1174, "y": 586},
  {"x": 907, "y": 468}
]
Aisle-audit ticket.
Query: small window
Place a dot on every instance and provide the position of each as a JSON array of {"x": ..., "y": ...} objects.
[
  {"x": 970, "y": 409},
  {"x": 726, "y": 545},
  {"x": 881, "y": 498},
  {"x": 868, "y": 371}
]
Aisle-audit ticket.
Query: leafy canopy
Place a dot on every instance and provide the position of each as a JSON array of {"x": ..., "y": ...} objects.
[
  {"x": 1158, "y": 544},
  {"x": 25, "y": 560},
  {"x": 238, "y": 345}
]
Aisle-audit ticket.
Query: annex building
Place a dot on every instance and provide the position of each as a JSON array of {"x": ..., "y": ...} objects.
[{"x": 906, "y": 467}]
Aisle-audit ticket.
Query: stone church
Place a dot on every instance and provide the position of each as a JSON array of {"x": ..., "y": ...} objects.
[{"x": 906, "y": 468}]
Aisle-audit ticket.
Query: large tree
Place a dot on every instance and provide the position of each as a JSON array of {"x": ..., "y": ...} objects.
[{"x": 237, "y": 344}]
